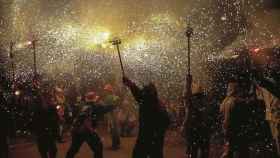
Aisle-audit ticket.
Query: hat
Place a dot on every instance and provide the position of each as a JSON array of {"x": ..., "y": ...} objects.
[
  {"x": 91, "y": 97},
  {"x": 108, "y": 87}
]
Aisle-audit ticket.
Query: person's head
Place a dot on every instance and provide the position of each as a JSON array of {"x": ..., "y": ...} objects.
[
  {"x": 91, "y": 97},
  {"x": 108, "y": 88},
  {"x": 232, "y": 88},
  {"x": 150, "y": 93},
  {"x": 48, "y": 98},
  {"x": 244, "y": 84}
]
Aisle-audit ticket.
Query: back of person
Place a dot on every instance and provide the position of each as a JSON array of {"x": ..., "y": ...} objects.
[
  {"x": 239, "y": 127},
  {"x": 197, "y": 125},
  {"x": 45, "y": 121},
  {"x": 83, "y": 120},
  {"x": 89, "y": 116},
  {"x": 247, "y": 124}
]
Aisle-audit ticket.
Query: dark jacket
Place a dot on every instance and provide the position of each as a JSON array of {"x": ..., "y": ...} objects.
[
  {"x": 45, "y": 121},
  {"x": 92, "y": 113},
  {"x": 198, "y": 123},
  {"x": 153, "y": 118},
  {"x": 5, "y": 117},
  {"x": 247, "y": 122}
]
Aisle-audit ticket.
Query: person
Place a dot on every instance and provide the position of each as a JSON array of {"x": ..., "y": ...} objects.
[
  {"x": 272, "y": 115},
  {"x": 45, "y": 122},
  {"x": 153, "y": 121},
  {"x": 127, "y": 118},
  {"x": 233, "y": 93},
  {"x": 197, "y": 124},
  {"x": 70, "y": 108},
  {"x": 60, "y": 104},
  {"x": 244, "y": 120},
  {"x": 5, "y": 128},
  {"x": 85, "y": 125},
  {"x": 114, "y": 122}
]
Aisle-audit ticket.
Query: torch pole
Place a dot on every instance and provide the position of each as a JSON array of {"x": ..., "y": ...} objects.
[
  {"x": 119, "y": 53},
  {"x": 34, "y": 57},
  {"x": 117, "y": 43},
  {"x": 12, "y": 60},
  {"x": 188, "y": 93},
  {"x": 189, "y": 33}
]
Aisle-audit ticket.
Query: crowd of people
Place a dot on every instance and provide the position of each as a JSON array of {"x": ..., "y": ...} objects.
[{"x": 247, "y": 117}]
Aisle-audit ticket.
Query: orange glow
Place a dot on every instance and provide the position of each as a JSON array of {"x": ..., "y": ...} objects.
[{"x": 256, "y": 50}]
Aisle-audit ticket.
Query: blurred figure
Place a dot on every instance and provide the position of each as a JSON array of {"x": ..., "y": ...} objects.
[
  {"x": 244, "y": 121},
  {"x": 70, "y": 108},
  {"x": 127, "y": 119},
  {"x": 60, "y": 104},
  {"x": 85, "y": 125},
  {"x": 268, "y": 90},
  {"x": 233, "y": 93},
  {"x": 153, "y": 121},
  {"x": 112, "y": 99},
  {"x": 45, "y": 122},
  {"x": 197, "y": 124},
  {"x": 272, "y": 115},
  {"x": 5, "y": 128}
]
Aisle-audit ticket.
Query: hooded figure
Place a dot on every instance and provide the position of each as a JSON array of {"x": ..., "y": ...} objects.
[{"x": 153, "y": 121}]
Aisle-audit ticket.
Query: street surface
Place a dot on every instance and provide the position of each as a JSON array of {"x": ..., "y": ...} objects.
[{"x": 174, "y": 148}]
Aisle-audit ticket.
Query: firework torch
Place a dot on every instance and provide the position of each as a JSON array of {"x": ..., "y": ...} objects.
[
  {"x": 116, "y": 42},
  {"x": 12, "y": 60},
  {"x": 188, "y": 91},
  {"x": 33, "y": 43},
  {"x": 189, "y": 33}
]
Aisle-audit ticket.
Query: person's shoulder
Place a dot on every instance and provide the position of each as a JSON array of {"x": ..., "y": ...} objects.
[
  {"x": 116, "y": 97},
  {"x": 229, "y": 100}
]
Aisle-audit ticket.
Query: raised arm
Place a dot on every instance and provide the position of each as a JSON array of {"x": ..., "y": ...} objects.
[{"x": 136, "y": 92}]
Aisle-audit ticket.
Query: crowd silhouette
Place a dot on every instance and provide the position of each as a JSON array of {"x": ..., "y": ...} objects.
[{"x": 246, "y": 117}]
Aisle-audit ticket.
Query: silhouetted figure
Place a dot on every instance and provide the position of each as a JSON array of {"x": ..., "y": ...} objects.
[
  {"x": 153, "y": 121},
  {"x": 45, "y": 123},
  {"x": 244, "y": 121},
  {"x": 5, "y": 127},
  {"x": 197, "y": 124},
  {"x": 85, "y": 127},
  {"x": 112, "y": 99}
]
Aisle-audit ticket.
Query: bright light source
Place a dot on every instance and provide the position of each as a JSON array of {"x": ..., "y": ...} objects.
[
  {"x": 99, "y": 37},
  {"x": 58, "y": 107},
  {"x": 17, "y": 93},
  {"x": 256, "y": 50},
  {"x": 23, "y": 45},
  {"x": 140, "y": 43},
  {"x": 20, "y": 45}
]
